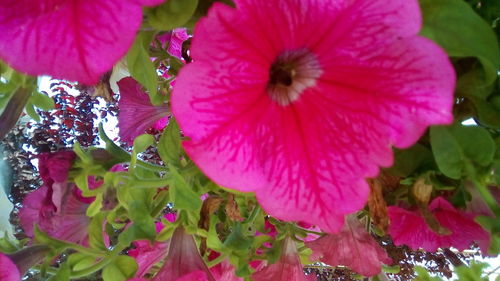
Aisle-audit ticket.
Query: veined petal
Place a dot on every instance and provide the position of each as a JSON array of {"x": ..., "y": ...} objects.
[{"x": 68, "y": 39}]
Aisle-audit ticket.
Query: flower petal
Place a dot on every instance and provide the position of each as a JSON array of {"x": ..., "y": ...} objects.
[
  {"x": 409, "y": 228},
  {"x": 67, "y": 39},
  {"x": 137, "y": 114},
  {"x": 352, "y": 247},
  {"x": 8, "y": 270},
  {"x": 307, "y": 160}
]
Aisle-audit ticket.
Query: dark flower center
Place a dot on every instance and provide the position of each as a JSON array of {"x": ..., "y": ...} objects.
[{"x": 290, "y": 74}]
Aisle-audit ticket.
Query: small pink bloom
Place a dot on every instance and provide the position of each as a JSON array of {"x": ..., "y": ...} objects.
[
  {"x": 67, "y": 39},
  {"x": 300, "y": 100},
  {"x": 223, "y": 271},
  {"x": 183, "y": 260},
  {"x": 8, "y": 269},
  {"x": 148, "y": 255},
  {"x": 58, "y": 212},
  {"x": 54, "y": 167},
  {"x": 353, "y": 247},
  {"x": 408, "y": 227},
  {"x": 173, "y": 40},
  {"x": 288, "y": 268},
  {"x": 137, "y": 114}
]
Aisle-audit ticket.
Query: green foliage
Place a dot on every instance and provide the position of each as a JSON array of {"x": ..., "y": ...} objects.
[
  {"x": 462, "y": 33},
  {"x": 169, "y": 146},
  {"x": 171, "y": 14},
  {"x": 120, "y": 269},
  {"x": 142, "y": 68},
  {"x": 63, "y": 274},
  {"x": 455, "y": 150}
]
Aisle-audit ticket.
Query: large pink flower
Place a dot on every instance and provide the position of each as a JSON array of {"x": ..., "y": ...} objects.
[
  {"x": 353, "y": 247},
  {"x": 409, "y": 228},
  {"x": 300, "y": 100},
  {"x": 8, "y": 269},
  {"x": 183, "y": 261},
  {"x": 68, "y": 39},
  {"x": 288, "y": 268},
  {"x": 137, "y": 114}
]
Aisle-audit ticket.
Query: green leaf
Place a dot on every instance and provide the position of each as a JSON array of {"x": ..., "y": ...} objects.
[
  {"x": 171, "y": 14},
  {"x": 42, "y": 101},
  {"x": 452, "y": 146},
  {"x": 408, "y": 160},
  {"x": 237, "y": 241},
  {"x": 169, "y": 146},
  {"x": 95, "y": 229},
  {"x": 181, "y": 193},
  {"x": 462, "y": 33},
  {"x": 63, "y": 274},
  {"x": 79, "y": 261},
  {"x": 95, "y": 206},
  {"x": 142, "y": 142},
  {"x": 121, "y": 269},
  {"x": 473, "y": 272},
  {"x": 142, "y": 68}
]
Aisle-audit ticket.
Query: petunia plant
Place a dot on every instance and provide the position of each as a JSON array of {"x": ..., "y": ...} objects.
[{"x": 254, "y": 139}]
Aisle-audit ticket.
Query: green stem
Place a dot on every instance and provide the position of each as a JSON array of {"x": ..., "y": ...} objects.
[
  {"x": 488, "y": 198},
  {"x": 99, "y": 265},
  {"x": 216, "y": 261}
]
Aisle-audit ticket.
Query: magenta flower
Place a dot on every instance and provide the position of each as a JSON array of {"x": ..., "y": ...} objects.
[
  {"x": 67, "y": 39},
  {"x": 353, "y": 247},
  {"x": 8, "y": 269},
  {"x": 300, "y": 100},
  {"x": 147, "y": 254},
  {"x": 183, "y": 261},
  {"x": 173, "y": 40},
  {"x": 137, "y": 114},
  {"x": 288, "y": 268},
  {"x": 13, "y": 266},
  {"x": 59, "y": 212},
  {"x": 56, "y": 207},
  {"x": 408, "y": 227}
]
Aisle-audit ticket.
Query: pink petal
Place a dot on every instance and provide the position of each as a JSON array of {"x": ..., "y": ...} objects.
[
  {"x": 148, "y": 255},
  {"x": 380, "y": 85},
  {"x": 54, "y": 167},
  {"x": 288, "y": 268},
  {"x": 137, "y": 114},
  {"x": 352, "y": 247},
  {"x": 67, "y": 39},
  {"x": 8, "y": 270},
  {"x": 38, "y": 209},
  {"x": 409, "y": 228},
  {"x": 224, "y": 271},
  {"x": 199, "y": 275},
  {"x": 174, "y": 40},
  {"x": 183, "y": 259}
]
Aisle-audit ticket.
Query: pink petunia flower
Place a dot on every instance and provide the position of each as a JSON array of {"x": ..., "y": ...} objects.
[
  {"x": 14, "y": 265},
  {"x": 147, "y": 254},
  {"x": 353, "y": 247},
  {"x": 288, "y": 268},
  {"x": 183, "y": 261},
  {"x": 300, "y": 100},
  {"x": 173, "y": 40},
  {"x": 137, "y": 114},
  {"x": 8, "y": 269},
  {"x": 67, "y": 39},
  {"x": 408, "y": 227}
]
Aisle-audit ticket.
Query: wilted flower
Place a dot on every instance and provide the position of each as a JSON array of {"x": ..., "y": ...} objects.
[
  {"x": 408, "y": 227},
  {"x": 300, "y": 100},
  {"x": 137, "y": 114},
  {"x": 183, "y": 262},
  {"x": 353, "y": 247},
  {"x": 73, "y": 40},
  {"x": 288, "y": 268}
]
